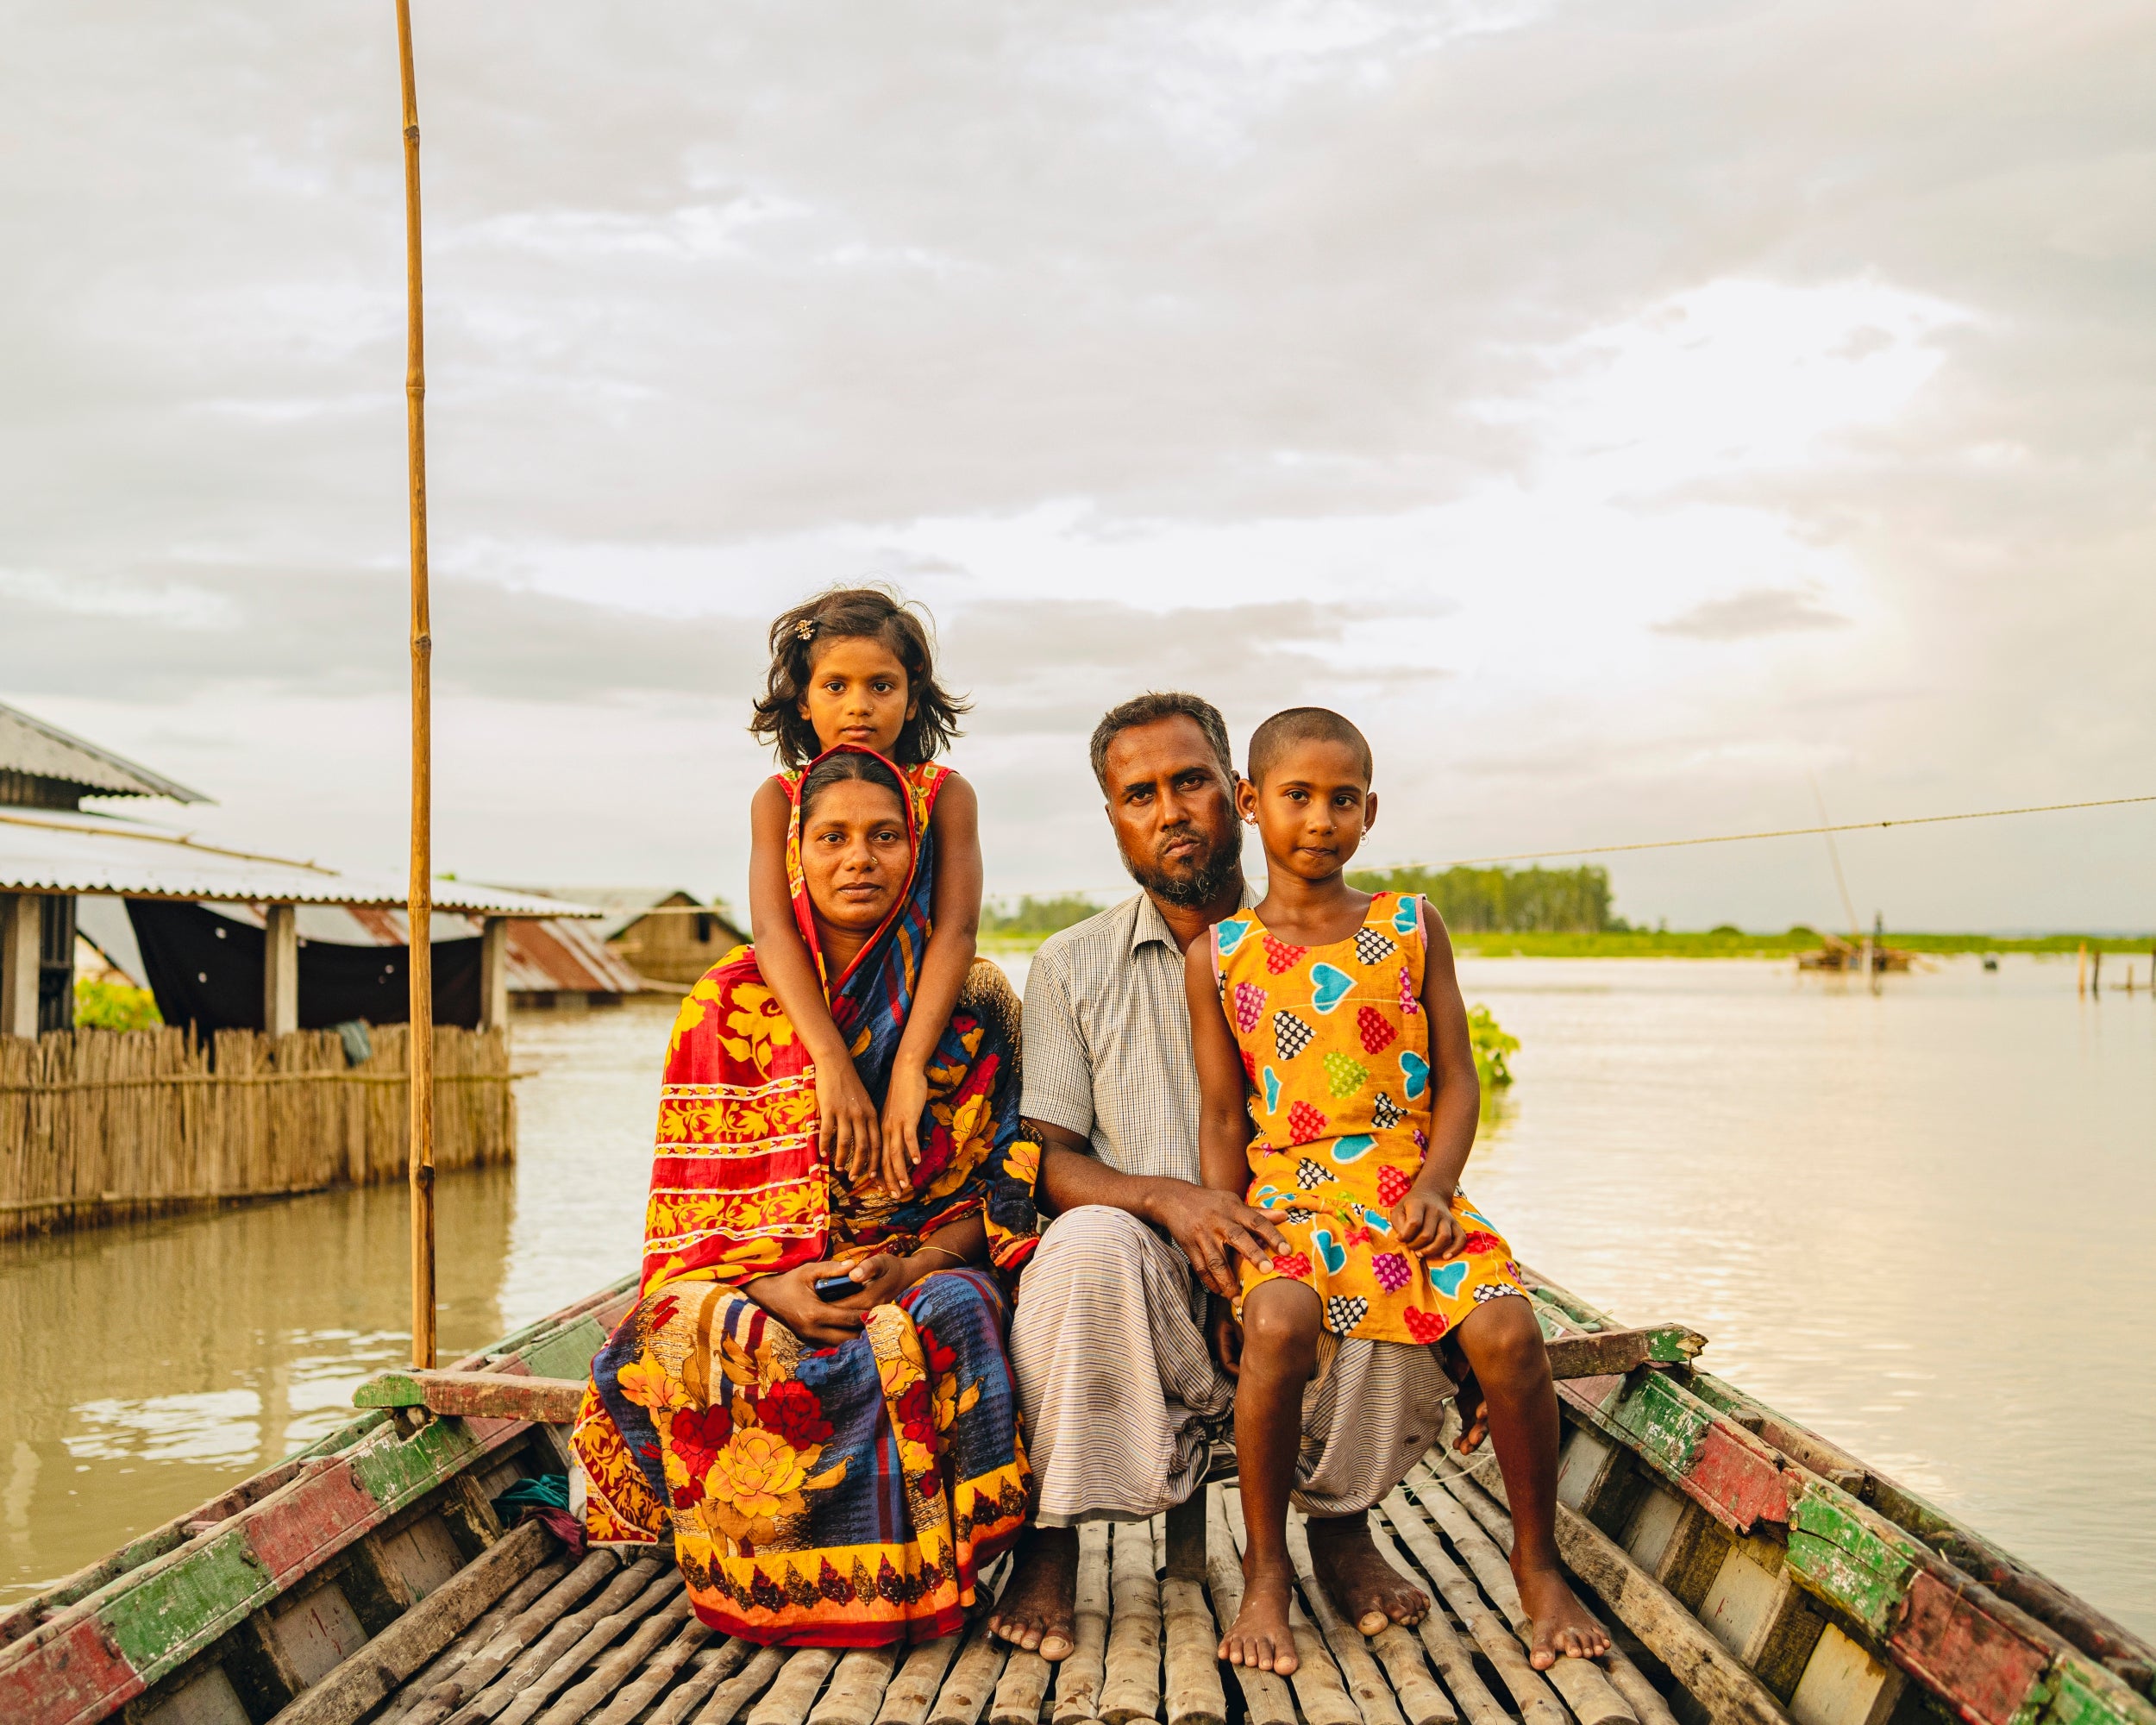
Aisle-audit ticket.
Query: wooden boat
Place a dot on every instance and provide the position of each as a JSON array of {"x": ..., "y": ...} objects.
[{"x": 1750, "y": 1570}]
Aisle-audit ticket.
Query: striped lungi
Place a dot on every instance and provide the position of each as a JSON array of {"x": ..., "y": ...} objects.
[{"x": 1122, "y": 1397}]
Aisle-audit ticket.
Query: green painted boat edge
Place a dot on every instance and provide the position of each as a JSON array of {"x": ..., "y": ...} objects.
[
  {"x": 1856, "y": 1556},
  {"x": 165, "y": 1597}
]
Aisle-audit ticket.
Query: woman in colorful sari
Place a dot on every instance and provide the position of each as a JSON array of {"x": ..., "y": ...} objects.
[{"x": 835, "y": 1472}]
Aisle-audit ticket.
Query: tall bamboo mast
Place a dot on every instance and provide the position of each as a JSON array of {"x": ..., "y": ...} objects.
[{"x": 420, "y": 906}]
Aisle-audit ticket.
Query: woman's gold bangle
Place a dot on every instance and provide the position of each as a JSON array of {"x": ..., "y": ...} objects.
[{"x": 958, "y": 1257}]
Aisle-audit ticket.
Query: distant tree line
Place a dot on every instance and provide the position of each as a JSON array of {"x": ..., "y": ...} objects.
[
  {"x": 1507, "y": 900},
  {"x": 1472, "y": 901},
  {"x": 1035, "y": 916}
]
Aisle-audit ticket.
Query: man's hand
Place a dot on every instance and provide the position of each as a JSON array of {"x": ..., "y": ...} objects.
[
  {"x": 1211, "y": 1227},
  {"x": 1226, "y": 1336},
  {"x": 845, "y": 1120},
  {"x": 1423, "y": 1221},
  {"x": 901, "y": 1125},
  {"x": 790, "y": 1296}
]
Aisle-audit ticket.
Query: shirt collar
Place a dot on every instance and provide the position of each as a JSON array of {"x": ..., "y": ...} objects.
[{"x": 1149, "y": 924}]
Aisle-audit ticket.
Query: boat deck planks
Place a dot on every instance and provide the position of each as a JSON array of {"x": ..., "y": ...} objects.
[{"x": 1748, "y": 1571}]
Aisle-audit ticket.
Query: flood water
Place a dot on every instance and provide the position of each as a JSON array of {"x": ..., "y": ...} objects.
[{"x": 1918, "y": 1222}]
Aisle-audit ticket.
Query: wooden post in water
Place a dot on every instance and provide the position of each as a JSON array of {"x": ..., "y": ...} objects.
[
  {"x": 2081, "y": 968},
  {"x": 420, "y": 906}
]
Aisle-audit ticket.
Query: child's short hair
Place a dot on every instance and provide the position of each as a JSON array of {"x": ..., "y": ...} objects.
[
  {"x": 871, "y": 613},
  {"x": 1283, "y": 731}
]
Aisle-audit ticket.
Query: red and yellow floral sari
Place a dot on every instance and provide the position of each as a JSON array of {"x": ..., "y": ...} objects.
[{"x": 845, "y": 1496}]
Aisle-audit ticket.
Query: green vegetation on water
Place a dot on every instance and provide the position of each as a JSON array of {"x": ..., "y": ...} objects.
[
  {"x": 114, "y": 1006},
  {"x": 1493, "y": 1049}
]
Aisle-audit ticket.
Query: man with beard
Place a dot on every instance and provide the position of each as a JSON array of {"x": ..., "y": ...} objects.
[{"x": 1109, "y": 1343}]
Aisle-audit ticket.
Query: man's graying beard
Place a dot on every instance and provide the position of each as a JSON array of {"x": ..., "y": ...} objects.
[{"x": 1189, "y": 891}]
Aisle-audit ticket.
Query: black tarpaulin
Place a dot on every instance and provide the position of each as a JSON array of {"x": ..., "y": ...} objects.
[{"x": 206, "y": 971}]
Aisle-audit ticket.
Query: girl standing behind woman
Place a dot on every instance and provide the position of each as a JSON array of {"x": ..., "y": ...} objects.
[{"x": 853, "y": 667}]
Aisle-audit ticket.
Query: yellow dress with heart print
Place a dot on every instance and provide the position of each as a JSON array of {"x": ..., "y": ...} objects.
[{"x": 1336, "y": 1048}]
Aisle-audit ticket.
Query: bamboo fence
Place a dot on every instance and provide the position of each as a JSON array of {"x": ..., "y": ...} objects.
[{"x": 98, "y": 1127}]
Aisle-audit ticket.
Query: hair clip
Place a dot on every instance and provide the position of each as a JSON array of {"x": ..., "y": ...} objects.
[{"x": 805, "y": 630}]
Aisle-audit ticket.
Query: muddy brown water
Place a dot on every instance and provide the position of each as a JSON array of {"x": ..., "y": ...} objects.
[{"x": 1919, "y": 1223}]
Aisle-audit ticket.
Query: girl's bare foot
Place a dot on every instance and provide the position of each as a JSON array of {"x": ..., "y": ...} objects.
[
  {"x": 1039, "y": 1603},
  {"x": 1564, "y": 1627},
  {"x": 1365, "y": 1590},
  {"x": 1260, "y": 1636}
]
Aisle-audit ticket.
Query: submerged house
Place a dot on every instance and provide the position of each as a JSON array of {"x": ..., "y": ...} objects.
[
  {"x": 230, "y": 939},
  {"x": 666, "y": 935}
]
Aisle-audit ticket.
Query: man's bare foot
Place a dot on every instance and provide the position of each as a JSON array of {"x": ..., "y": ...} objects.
[
  {"x": 1474, "y": 1407},
  {"x": 1260, "y": 1636},
  {"x": 1040, "y": 1600},
  {"x": 1365, "y": 1590},
  {"x": 1564, "y": 1627}
]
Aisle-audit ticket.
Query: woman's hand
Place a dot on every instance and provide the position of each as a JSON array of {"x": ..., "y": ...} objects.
[
  {"x": 1423, "y": 1221},
  {"x": 881, "y": 1279},
  {"x": 790, "y": 1296},
  {"x": 845, "y": 1120},
  {"x": 901, "y": 1124}
]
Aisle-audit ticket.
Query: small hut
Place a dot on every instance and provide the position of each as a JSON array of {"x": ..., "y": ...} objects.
[{"x": 665, "y": 934}]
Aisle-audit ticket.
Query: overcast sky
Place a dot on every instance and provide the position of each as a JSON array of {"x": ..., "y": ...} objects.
[{"x": 1630, "y": 413}]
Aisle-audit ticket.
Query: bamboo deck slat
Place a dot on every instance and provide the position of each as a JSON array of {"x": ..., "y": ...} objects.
[
  {"x": 972, "y": 1678},
  {"x": 912, "y": 1691},
  {"x": 1366, "y": 1685},
  {"x": 1447, "y": 1652},
  {"x": 1590, "y": 1695},
  {"x": 1130, "y": 1689},
  {"x": 1316, "y": 1680},
  {"x": 99, "y": 1127},
  {"x": 738, "y": 1691},
  {"x": 1647, "y": 1702},
  {"x": 1266, "y": 1699},
  {"x": 1536, "y": 1702},
  {"x": 856, "y": 1691},
  {"x": 1078, "y": 1678}
]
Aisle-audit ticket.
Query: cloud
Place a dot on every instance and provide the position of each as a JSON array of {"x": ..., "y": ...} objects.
[
  {"x": 1441, "y": 362},
  {"x": 1757, "y": 611},
  {"x": 343, "y": 631}
]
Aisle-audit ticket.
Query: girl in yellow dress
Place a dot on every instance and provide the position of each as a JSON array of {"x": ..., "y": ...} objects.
[{"x": 1340, "y": 1098}]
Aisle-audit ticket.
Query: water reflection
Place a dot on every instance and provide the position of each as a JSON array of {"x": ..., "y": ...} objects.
[
  {"x": 148, "y": 1367},
  {"x": 1916, "y": 1221}
]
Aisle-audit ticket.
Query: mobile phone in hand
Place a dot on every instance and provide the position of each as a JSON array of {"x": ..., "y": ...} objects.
[{"x": 836, "y": 1286}]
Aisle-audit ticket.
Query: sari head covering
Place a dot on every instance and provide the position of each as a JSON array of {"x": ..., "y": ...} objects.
[
  {"x": 846, "y": 1496},
  {"x": 737, "y": 1187}
]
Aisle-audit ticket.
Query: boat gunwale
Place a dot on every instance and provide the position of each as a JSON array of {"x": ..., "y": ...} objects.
[
  {"x": 47, "y": 1621},
  {"x": 1910, "y": 1545}
]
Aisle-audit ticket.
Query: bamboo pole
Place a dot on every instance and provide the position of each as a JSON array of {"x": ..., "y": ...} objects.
[{"x": 420, "y": 1044}]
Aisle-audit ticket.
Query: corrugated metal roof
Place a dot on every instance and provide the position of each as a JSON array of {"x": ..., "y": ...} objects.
[
  {"x": 546, "y": 955},
  {"x": 57, "y": 850},
  {"x": 28, "y": 744},
  {"x": 624, "y": 905}
]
